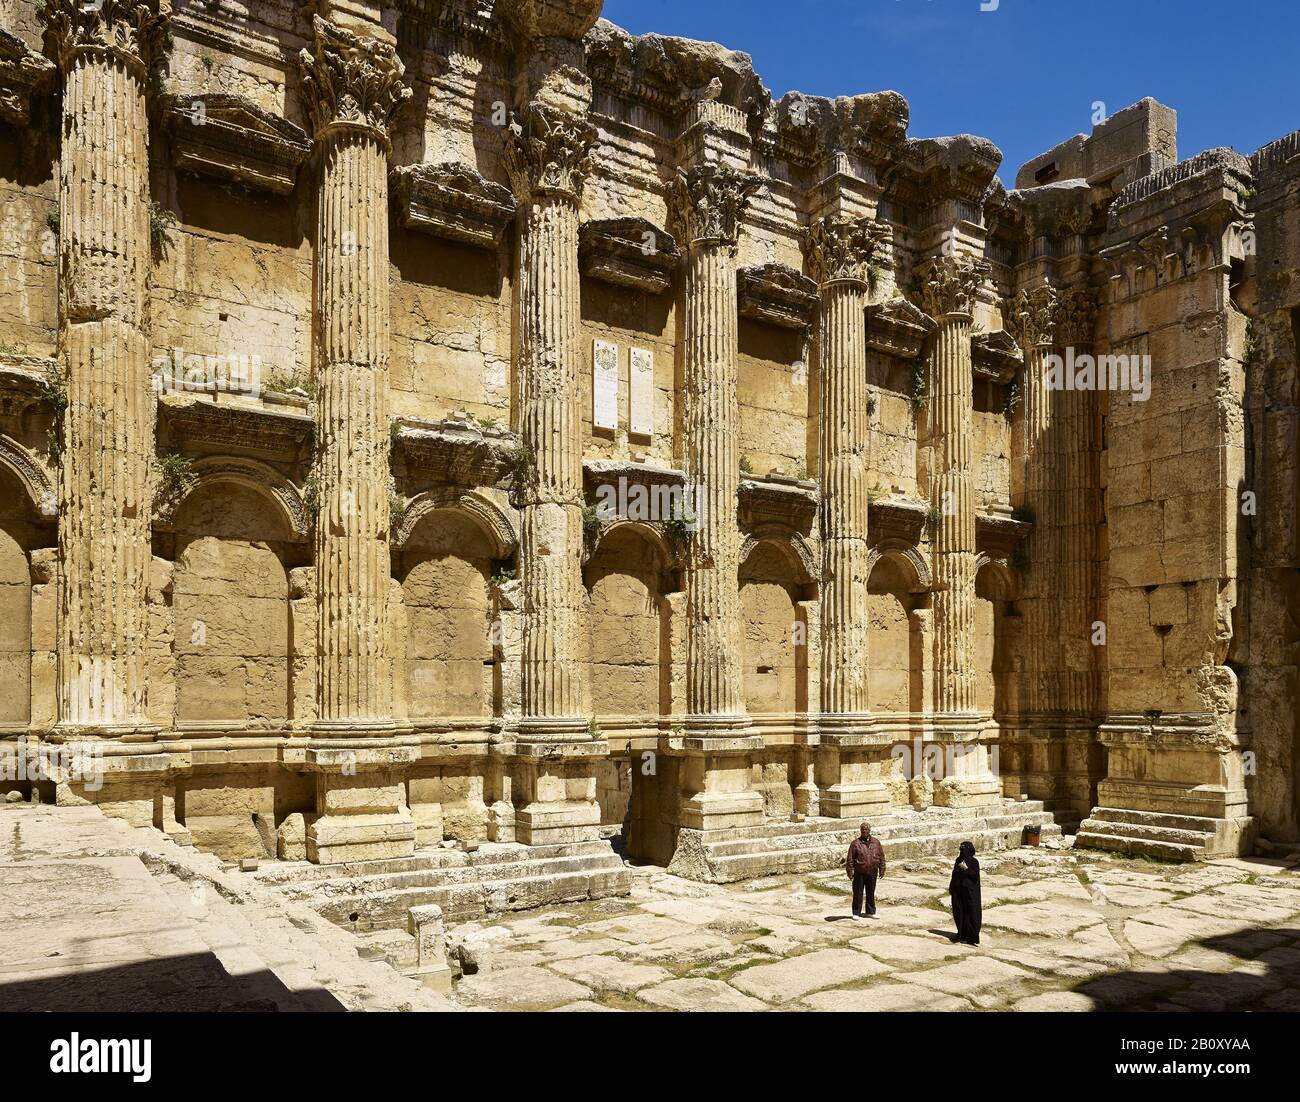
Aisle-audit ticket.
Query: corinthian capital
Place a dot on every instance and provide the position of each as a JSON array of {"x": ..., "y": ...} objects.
[
  {"x": 1033, "y": 316},
  {"x": 708, "y": 202},
  {"x": 948, "y": 284},
  {"x": 548, "y": 152},
  {"x": 351, "y": 82},
  {"x": 845, "y": 248},
  {"x": 1078, "y": 315},
  {"x": 130, "y": 30}
]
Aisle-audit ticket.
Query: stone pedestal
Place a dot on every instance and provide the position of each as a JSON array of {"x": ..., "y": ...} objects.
[{"x": 361, "y": 809}]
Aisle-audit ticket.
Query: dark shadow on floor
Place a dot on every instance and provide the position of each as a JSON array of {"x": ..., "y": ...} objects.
[
  {"x": 196, "y": 982},
  {"x": 1272, "y": 983}
]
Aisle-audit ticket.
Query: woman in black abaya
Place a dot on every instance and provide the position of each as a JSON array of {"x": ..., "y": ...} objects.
[{"x": 964, "y": 887}]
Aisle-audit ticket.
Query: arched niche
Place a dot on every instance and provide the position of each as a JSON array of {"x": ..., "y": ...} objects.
[
  {"x": 448, "y": 663},
  {"x": 231, "y": 614},
  {"x": 217, "y": 470},
  {"x": 629, "y": 621},
  {"x": 15, "y": 602},
  {"x": 895, "y": 643},
  {"x": 995, "y": 622},
  {"x": 775, "y": 581}
]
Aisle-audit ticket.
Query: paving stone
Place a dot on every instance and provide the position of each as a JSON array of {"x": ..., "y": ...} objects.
[
  {"x": 584, "y": 1006},
  {"x": 884, "y": 998},
  {"x": 907, "y": 949},
  {"x": 699, "y": 995},
  {"x": 610, "y": 973},
  {"x": 531, "y": 988},
  {"x": 1047, "y": 919},
  {"x": 639, "y": 928},
  {"x": 788, "y": 979},
  {"x": 974, "y": 975},
  {"x": 681, "y": 949},
  {"x": 1055, "y": 1002}
]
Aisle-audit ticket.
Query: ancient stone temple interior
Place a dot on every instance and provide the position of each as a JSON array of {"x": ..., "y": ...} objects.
[{"x": 463, "y": 442}]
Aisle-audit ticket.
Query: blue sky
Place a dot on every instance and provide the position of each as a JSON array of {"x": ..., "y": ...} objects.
[{"x": 1026, "y": 75}]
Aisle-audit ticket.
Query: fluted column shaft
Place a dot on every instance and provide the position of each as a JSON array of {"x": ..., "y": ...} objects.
[
  {"x": 712, "y": 463},
  {"x": 1079, "y": 524},
  {"x": 352, "y": 332},
  {"x": 104, "y": 479},
  {"x": 954, "y": 531},
  {"x": 1042, "y": 486},
  {"x": 551, "y": 427},
  {"x": 845, "y": 425}
]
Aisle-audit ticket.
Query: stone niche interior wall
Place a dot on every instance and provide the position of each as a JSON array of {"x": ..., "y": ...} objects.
[
  {"x": 230, "y": 599},
  {"x": 15, "y": 607},
  {"x": 449, "y": 662},
  {"x": 772, "y": 392},
  {"x": 775, "y": 665},
  {"x": 893, "y": 675},
  {"x": 630, "y": 627}
]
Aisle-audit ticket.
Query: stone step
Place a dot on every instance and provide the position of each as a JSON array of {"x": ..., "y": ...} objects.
[
  {"x": 928, "y": 820},
  {"x": 729, "y": 868},
  {"x": 386, "y": 909},
  {"x": 1149, "y": 832},
  {"x": 1199, "y": 823},
  {"x": 1137, "y": 846}
]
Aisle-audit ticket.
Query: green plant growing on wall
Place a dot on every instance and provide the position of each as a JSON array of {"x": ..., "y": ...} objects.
[
  {"x": 311, "y": 493},
  {"x": 933, "y": 517},
  {"x": 678, "y": 526},
  {"x": 920, "y": 386},
  {"x": 175, "y": 477},
  {"x": 396, "y": 503},
  {"x": 1012, "y": 403},
  {"x": 593, "y": 729},
  {"x": 161, "y": 221},
  {"x": 746, "y": 467},
  {"x": 52, "y": 220},
  {"x": 291, "y": 382},
  {"x": 591, "y": 524},
  {"x": 502, "y": 575},
  {"x": 1253, "y": 350},
  {"x": 523, "y": 465},
  {"x": 54, "y": 393}
]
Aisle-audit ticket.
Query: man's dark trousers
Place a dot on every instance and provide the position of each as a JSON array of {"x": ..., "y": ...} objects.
[{"x": 864, "y": 883}]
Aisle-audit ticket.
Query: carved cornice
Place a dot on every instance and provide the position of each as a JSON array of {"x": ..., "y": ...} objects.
[
  {"x": 455, "y": 450},
  {"x": 778, "y": 295},
  {"x": 845, "y": 248},
  {"x": 548, "y": 152},
  {"x": 995, "y": 357},
  {"x": 628, "y": 252},
  {"x": 778, "y": 500},
  {"x": 872, "y": 126},
  {"x": 275, "y": 434},
  {"x": 898, "y": 328},
  {"x": 130, "y": 30},
  {"x": 230, "y": 137},
  {"x": 960, "y": 167},
  {"x": 351, "y": 83},
  {"x": 452, "y": 200},
  {"x": 709, "y": 201},
  {"x": 1032, "y": 317},
  {"x": 24, "y": 74},
  {"x": 948, "y": 284}
]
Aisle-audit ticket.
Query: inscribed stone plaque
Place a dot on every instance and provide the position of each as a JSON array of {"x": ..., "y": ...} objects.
[
  {"x": 604, "y": 385},
  {"x": 641, "y": 393}
]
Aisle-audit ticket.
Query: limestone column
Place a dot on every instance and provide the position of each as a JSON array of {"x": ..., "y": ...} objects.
[
  {"x": 1032, "y": 318},
  {"x": 548, "y": 158},
  {"x": 353, "y": 88},
  {"x": 709, "y": 200},
  {"x": 840, "y": 252},
  {"x": 948, "y": 288},
  {"x": 104, "y": 54}
]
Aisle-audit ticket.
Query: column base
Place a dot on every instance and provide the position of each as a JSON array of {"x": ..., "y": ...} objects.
[
  {"x": 853, "y": 768},
  {"x": 968, "y": 779},
  {"x": 557, "y": 782}
]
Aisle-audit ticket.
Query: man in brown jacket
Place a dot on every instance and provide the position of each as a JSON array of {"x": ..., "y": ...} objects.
[{"x": 865, "y": 862}]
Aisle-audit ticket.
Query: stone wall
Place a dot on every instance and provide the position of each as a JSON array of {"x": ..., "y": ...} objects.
[{"x": 311, "y": 414}]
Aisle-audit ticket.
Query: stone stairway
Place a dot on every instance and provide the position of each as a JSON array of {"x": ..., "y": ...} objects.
[
  {"x": 376, "y": 895},
  {"x": 1149, "y": 834},
  {"x": 815, "y": 844},
  {"x": 178, "y": 929}
]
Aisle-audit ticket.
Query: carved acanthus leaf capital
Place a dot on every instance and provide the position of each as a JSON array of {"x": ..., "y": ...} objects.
[
  {"x": 846, "y": 248},
  {"x": 130, "y": 30},
  {"x": 1033, "y": 316},
  {"x": 949, "y": 284},
  {"x": 351, "y": 82},
  {"x": 1077, "y": 316},
  {"x": 548, "y": 152},
  {"x": 709, "y": 201}
]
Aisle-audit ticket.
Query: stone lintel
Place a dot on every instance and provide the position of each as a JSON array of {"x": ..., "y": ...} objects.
[
  {"x": 453, "y": 201},
  {"x": 199, "y": 422},
  {"x": 628, "y": 252},
  {"x": 1000, "y": 531},
  {"x": 24, "y": 75},
  {"x": 898, "y": 328},
  {"x": 778, "y": 295},
  {"x": 358, "y": 756},
  {"x": 777, "y": 499},
  {"x": 996, "y": 357},
  {"x": 897, "y": 518}
]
